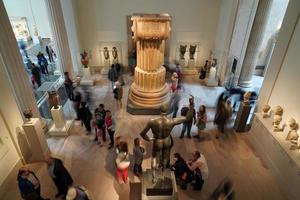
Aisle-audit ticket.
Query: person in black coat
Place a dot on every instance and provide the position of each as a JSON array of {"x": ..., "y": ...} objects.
[
  {"x": 85, "y": 116},
  {"x": 59, "y": 175},
  {"x": 29, "y": 185},
  {"x": 181, "y": 171}
]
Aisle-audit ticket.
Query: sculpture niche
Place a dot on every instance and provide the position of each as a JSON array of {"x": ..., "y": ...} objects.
[
  {"x": 161, "y": 128},
  {"x": 114, "y": 53},
  {"x": 106, "y": 53}
]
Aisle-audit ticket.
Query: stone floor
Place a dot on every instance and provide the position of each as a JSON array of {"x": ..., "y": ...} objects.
[{"x": 92, "y": 166}]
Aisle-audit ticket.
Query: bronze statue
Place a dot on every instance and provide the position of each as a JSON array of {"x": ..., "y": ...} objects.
[
  {"x": 106, "y": 53},
  {"x": 161, "y": 128},
  {"x": 182, "y": 50},
  {"x": 114, "y": 52},
  {"x": 192, "y": 51},
  {"x": 53, "y": 99}
]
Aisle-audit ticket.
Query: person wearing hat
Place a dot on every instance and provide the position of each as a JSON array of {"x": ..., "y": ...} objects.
[{"x": 78, "y": 193}]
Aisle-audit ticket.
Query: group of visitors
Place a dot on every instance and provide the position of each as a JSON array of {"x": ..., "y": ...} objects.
[
  {"x": 30, "y": 188},
  {"x": 194, "y": 170}
]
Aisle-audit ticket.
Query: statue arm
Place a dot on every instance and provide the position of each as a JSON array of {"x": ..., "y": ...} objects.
[
  {"x": 143, "y": 134},
  {"x": 179, "y": 120}
]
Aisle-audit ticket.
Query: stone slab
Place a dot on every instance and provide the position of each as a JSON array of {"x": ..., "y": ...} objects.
[
  {"x": 64, "y": 131},
  {"x": 163, "y": 189}
]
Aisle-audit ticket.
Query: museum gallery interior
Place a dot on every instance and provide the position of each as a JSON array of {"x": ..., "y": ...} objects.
[{"x": 142, "y": 100}]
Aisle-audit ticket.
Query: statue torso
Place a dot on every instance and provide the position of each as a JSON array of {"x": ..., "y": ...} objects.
[{"x": 161, "y": 127}]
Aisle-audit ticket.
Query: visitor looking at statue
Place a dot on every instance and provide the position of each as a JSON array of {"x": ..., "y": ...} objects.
[
  {"x": 110, "y": 125},
  {"x": 138, "y": 155},
  {"x": 223, "y": 114},
  {"x": 99, "y": 115},
  {"x": 113, "y": 75},
  {"x": 122, "y": 162},
  {"x": 181, "y": 171},
  {"x": 85, "y": 116},
  {"x": 198, "y": 166},
  {"x": 190, "y": 113},
  {"x": 201, "y": 120}
]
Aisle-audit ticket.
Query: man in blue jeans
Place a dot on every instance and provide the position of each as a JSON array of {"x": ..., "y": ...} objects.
[{"x": 190, "y": 113}]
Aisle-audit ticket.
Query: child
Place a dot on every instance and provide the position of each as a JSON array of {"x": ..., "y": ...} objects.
[
  {"x": 138, "y": 154},
  {"x": 201, "y": 120},
  {"x": 122, "y": 162}
]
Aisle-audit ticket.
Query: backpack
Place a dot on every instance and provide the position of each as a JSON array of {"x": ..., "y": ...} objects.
[{"x": 184, "y": 111}]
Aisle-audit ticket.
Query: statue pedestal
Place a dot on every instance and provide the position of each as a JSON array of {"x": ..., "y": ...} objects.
[
  {"x": 211, "y": 80},
  {"x": 60, "y": 126},
  {"x": 37, "y": 140},
  {"x": 191, "y": 63},
  {"x": 58, "y": 117},
  {"x": 106, "y": 63},
  {"x": 240, "y": 124},
  {"x": 182, "y": 62},
  {"x": 165, "y": 187},
  {"x": 86, "y": 79}
]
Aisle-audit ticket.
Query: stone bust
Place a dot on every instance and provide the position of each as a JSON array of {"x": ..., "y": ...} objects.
[
  {"x": 192, "y": 51},
  {"x": 276, "y": 123},
  {"x": 266, "y": 111},
  {"x": 106, "y": 53},
  {"x": 182, "y": 50},
  {"x": 292, "y": 135},
  {"x": 278, "y": 110}
]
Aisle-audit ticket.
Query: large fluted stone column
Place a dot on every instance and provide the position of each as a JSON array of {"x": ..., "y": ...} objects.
[
  {"x": 149, "y": 89},
  {"x": 255, "y": 42},
  {"x": 14, "y": 66},
  {"x": 60, "y": 36}
]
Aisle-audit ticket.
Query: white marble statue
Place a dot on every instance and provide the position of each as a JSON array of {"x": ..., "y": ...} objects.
[
  {"x": 247, "y": 96},
  {"x": 276, "y": 123}
]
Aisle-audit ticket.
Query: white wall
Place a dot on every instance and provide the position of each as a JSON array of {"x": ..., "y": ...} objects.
[
  {"x": 21, "y": 8},
  {"x": 192, "y": 20},
  {"x": 9, "y": 110},
  {"x": 70, "y": 23},
  {"x": 286, "y": 89}
]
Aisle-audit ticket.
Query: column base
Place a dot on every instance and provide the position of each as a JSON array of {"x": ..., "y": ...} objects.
[
  {"x": 141, "y": 102},
  {"x": 245, "y": 84}
]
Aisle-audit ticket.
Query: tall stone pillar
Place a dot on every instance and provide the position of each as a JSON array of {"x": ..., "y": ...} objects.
[
  {"x": 255, "y": 42},
  {"x": 60, "y": 36},
  {"x": 149, "y": 89},
  {"x": 14, "y": 66}
]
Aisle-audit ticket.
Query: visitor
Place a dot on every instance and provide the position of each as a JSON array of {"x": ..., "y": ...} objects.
[
  {"x": 138, "y": 155},
  {"x": 198, "y": 166},
  {"x": 110, "y": 126},
  {"x": 59, "y": 175},
  {"x": 224, "y": 191},
  {"x": 35, "y": 75},
  {"x": 181, "y": 171},
  {"x": 118, "y": 93},
  {"x": 119, "y": 69},
  {"x": 178, "y": 72},
  {"x": 78, "y": 193},
  {"x": 223, "y": 114},
  {"x": 201, "y": 120},
  {"x": 23, "y": 48},
  {"x": 85, "y": 116},
  {"x": 122, "y": 162},
  {"x": 49, "y": 52},
  {"x": 112, "y": 75},
  {"x": 69, "y": 85},
  {"x": 42, "y": 61},
  {"x": 100, "y": 123},
  {"x": 203, "y": 71},
  {"x": 76, "y": 103},
  {"x": 29, "y": 184},
  {"x": 174, "y": 82},
  {"x": 174, "y": 102},
  {"x": 190, "y": 114}
]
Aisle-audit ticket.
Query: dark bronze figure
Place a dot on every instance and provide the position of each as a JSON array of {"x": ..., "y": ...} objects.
[{"x": 161, "y": 128}]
